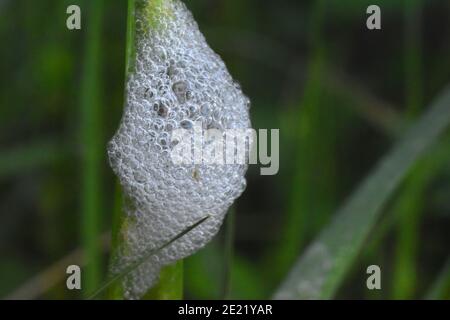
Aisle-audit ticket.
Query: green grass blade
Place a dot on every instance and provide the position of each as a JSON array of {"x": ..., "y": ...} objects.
[
  {"x": 92, "y": 147},
  {"x": 228, "y": 253},
  {"x": 130, "y": 45},
  {"x": 170, "y": 284},
  {"x": 410, "y": 203},
  {"x": 145, "y": 256},
  {"x": 314, "y": 141},
  {"x": 320, "y": 271}
]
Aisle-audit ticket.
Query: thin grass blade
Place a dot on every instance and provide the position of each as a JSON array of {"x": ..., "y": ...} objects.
[
  {"x": 321, "y": 270},
  {"x": 130, "y": 268}
]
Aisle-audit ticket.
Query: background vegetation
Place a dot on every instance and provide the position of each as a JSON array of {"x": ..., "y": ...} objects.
[{"x": 341, "y": 95}]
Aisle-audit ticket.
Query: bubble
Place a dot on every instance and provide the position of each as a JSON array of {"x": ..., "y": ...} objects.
[
  {"x": 193, "y": 111},
  {"x": 180, "y": 88},
  {"x": 161, "y": 109},
  {"x": 171, "y": 125},
  {"x": 139, "y": 177},
  {"x": 205, "y": 111},
  {"x": 148, "y": 93},
  {"x": 158, "y": 125},
  {"x": 186, "y": 124}
]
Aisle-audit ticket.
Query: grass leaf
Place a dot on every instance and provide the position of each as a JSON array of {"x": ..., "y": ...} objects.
[
  {"x": 228, "y": 253},
  {"x": 132, "y": 266},
  {"x": 321, "y": 270},
  {"x": 91, "y": 141}
]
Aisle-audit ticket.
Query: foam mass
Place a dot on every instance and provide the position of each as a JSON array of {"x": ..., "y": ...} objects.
[{"x": 176, "y": 80}]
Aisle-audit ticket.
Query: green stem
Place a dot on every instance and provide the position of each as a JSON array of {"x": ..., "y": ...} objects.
[
  {"x": 410, "y": 203},
  {"x": 170, "y": 284},
  {"x": 130, "y": 45},
  {"x": 92, "y": 153},
  {"x": 229, "y": 253},
  {"x": 311, "y": 194}
]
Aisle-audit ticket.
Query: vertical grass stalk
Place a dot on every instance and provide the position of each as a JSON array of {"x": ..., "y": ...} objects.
[
  {"x": 312, "y": 192},
  {"x": 410, "y": 203},
  {"x": 170, "y": 284},
  {"x": 92, "y": 148},
  {"x": 228, "y": 253}
]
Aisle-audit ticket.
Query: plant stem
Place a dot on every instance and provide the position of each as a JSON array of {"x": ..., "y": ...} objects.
[
  {"x": 146, "y": 254},
  {"x": 314, "y": 140},
  {"x": 170, "y": 284},
  {"x": 229, "y": 253},
  {"x": 411, "y": 202},
  {"x": 92, "y": 153},
  {"x": 116, "y": 291}
]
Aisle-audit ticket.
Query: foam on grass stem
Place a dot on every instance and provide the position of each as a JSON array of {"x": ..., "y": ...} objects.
[
  {"x": 173, "y": 78},
  {"x": 146, "y": 254}
]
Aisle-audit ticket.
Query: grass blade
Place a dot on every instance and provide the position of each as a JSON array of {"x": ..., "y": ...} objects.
[
  {"x": 145, "y": 257},
  {"x": 314, "y": 141},
  {"x": 92, "y": 143},
  {"x": 170, "y": 284},
  {"x": 228, "y": 253},
  {"x": 410, "y": 204},
  {"x": 320, "y": 271}
]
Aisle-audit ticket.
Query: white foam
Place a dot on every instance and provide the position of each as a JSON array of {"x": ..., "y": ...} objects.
[{"x": 177, "y": 79}]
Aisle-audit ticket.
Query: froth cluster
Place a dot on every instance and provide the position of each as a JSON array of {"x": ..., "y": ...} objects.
[{"x": 177, "y": 80}]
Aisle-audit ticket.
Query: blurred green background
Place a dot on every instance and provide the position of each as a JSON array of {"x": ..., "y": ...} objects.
[{"x": 339, "y": 93}]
